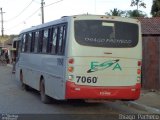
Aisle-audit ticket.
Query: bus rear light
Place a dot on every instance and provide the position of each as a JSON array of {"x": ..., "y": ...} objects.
[
  {"x": 70, "y": 69},
  {"x": 138, "y": 71},
  {"x": 139, "y": 63},
  {"x": 71, "y": 61}
]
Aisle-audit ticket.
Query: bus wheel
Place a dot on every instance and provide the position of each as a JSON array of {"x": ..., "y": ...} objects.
[
  {"x": 21, "y": 81},
  {"x": 44, "y": 98},
  {"x": 23, "y": 85}
]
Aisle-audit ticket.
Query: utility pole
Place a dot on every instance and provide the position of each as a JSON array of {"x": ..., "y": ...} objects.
[
  {"x": 2, "y": 29},
  {"x": 42, "y": 10},
  {"x": 95, "y": 5}
]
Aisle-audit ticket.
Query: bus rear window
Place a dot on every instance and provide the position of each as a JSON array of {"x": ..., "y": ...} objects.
[{"x": 106, "y": 33}]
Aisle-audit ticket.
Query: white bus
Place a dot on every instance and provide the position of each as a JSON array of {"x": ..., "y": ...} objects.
[{"x": 82, "y": 57}]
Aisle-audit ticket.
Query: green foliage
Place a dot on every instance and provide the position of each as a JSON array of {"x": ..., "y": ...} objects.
[
  {"x": 135, "y": 13},
  {"x": 138, "y": 3},
  {"x": 6, "y": 38},
  {"x": 115, "y": 12},
  {"x": 128, "y": 13},
  {"x": 155, "y": 10}
]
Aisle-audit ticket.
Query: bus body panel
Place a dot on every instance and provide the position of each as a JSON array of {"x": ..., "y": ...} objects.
[
  {"x": 74, "y": 91},
  {"x": 114, "y": 81},
  {"x": 50, "y": 67},
  {"x": 104, "y": 72}
]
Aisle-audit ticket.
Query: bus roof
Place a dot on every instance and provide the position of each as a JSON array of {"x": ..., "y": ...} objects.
[
  {"x": 83, "y": 16},
  {"x": 44, "y": 25}
]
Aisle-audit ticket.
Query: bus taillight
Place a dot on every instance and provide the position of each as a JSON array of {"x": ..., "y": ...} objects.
[
  {"x": 139, "y": 71},
  {"x": 70, "y": 69},
  {"x": 71, "y": 61},
  {"x": 139, "y": 63}
]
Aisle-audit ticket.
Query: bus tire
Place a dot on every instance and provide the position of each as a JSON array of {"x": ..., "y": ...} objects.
[
  {"x": 22, "y": 84},
  {"x": 44, "y": 98}
]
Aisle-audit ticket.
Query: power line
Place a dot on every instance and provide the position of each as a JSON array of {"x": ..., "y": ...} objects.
[
  {"x": 27, "y": 18},
  {"x": 31, "y": 14},
  {"x": 36, "y": 1},
  {"x": 21, "y": 12},
  {"x": 42, "y": 8},
  {"x": 53, "y": 3}
]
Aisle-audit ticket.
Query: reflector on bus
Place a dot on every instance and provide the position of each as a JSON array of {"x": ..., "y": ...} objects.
[{"x": 107, "y": 24}]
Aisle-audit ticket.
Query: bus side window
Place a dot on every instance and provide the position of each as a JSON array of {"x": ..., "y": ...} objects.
[
  {"x": 62, "y": 38},
  {"x": 45, "y": 39},
  {"x": 52, "y": 43},
  {"x": 32, "y": 41},
  {"x": 40, "y": 41},
  {"x": 36, "y": 42},
  {"x": 29, "y": 38},
  {"x": 26, "y": 43},
  {"x": 23, "y": 43}
]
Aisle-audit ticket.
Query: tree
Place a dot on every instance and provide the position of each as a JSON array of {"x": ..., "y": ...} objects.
[
  {"x": 115, "y": 12},
  {"x": 135, "y": 13},
  {"x": 155, "y": 10},
  {"x": 138, "y": 3}
]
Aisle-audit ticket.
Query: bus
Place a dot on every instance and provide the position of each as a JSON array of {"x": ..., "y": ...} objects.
[{"x": 87, "y": 57}]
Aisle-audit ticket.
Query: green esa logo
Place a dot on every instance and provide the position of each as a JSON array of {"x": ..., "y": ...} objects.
[{"x": 96, "y": 66}]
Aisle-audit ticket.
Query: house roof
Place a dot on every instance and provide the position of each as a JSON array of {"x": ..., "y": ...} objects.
[{"x": 150, "y": 26}]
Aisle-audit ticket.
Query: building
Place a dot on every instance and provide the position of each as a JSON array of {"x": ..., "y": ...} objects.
[{"x": 151, "y": 52}]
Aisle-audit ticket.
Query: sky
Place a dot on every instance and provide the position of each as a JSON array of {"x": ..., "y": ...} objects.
[{"x": 22, "y": 14}]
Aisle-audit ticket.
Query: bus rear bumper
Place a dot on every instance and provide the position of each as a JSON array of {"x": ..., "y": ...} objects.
[{"x": 74, "y": 91}]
